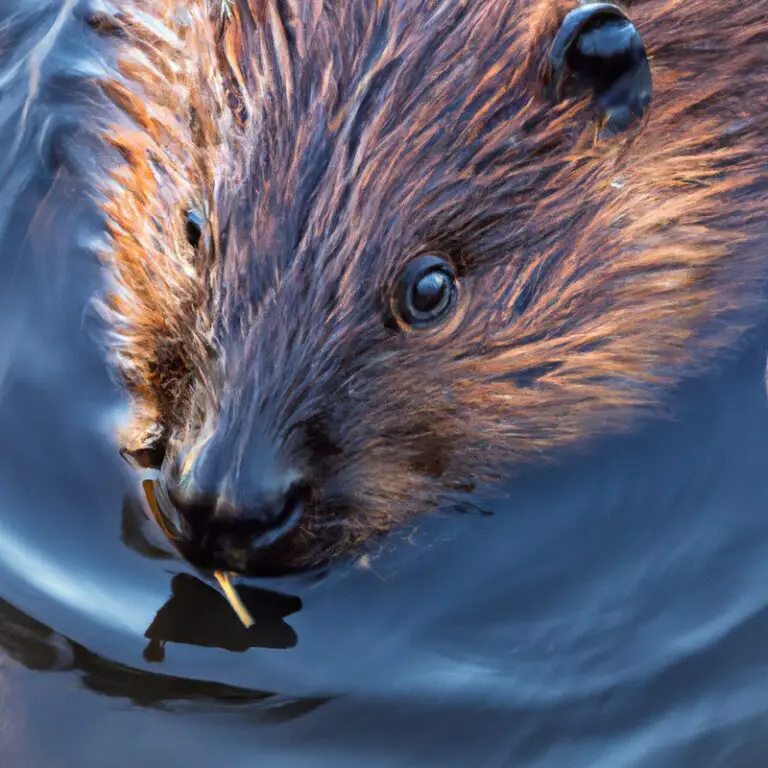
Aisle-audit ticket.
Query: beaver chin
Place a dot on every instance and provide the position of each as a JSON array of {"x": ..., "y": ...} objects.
[{"x": 292, "y": 553}]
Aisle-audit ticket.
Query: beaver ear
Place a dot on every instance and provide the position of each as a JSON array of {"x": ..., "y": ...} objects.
[{"x": 598, "y": 47}]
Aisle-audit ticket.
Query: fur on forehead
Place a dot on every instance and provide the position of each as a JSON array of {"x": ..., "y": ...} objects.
[{"x": 314, "y": 135}]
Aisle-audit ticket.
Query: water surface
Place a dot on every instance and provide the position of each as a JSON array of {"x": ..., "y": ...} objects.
[{"x": 612, "y": 613}]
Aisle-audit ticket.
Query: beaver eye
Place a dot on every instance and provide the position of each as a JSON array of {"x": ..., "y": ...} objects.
[
  {"x": 194, "y": 227},
  {"x": 426, "y": 291}
]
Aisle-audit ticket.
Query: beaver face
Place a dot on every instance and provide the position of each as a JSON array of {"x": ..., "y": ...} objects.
[{"x": 383, "y": 260}]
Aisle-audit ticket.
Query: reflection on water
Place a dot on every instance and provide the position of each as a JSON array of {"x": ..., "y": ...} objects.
[
  {"x": 54, "y": 578},
  {"x": 37, "y": 647},
  {"x": 197, "y": 614}
]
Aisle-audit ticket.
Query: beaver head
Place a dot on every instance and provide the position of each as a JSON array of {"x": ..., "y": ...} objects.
[{"x": 368, "y": 253}]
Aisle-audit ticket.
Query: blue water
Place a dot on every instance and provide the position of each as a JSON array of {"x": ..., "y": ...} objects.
[{"x": 613, "y": 612}]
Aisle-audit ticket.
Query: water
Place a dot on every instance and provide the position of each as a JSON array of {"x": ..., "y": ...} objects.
[{"x": 612, "y": 613}]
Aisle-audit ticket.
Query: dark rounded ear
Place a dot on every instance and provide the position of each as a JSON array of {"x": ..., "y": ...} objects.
[{"x": 597, "y": 47}]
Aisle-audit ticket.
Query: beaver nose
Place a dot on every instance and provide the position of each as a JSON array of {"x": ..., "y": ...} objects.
[{"x": 232, "y": 510}]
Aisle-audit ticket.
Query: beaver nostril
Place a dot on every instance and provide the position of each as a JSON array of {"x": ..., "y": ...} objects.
[{"x": 220, "y": 533}]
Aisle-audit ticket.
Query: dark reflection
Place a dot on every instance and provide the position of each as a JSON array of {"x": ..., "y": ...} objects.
[
  {"x": 37, "y": 647},
  {"x": 198, "y": 614}
]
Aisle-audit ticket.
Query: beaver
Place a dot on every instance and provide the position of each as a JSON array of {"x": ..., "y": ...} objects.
[{"x": 365, "y": 256}]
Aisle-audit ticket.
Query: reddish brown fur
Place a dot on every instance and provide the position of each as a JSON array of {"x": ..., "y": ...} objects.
[{"x": 379, "y": 128}]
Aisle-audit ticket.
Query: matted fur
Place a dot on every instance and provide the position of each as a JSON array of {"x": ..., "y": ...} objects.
[{"x": 330, "y": 142}]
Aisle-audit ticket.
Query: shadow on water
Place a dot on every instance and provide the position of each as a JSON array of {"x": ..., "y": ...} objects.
[
  {"x": 197, "y": 614},
  {"x": 39, "y": 648}
]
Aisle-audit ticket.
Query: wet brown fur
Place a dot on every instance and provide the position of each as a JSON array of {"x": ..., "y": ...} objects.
[{"x": 329, "y": 142}]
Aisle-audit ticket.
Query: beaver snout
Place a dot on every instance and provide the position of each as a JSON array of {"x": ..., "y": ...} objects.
[{"x": 233, "y": 514}]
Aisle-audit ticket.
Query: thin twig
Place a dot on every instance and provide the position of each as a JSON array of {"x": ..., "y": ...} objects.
[{"x": 234, "y": 599}]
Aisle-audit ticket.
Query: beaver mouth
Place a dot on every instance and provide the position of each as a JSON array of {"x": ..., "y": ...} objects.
[{"x": 234, "y": 544}]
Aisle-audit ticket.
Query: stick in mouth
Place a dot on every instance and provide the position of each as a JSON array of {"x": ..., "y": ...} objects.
[
  {"x": 234, "y": 599},
  {"x": 221, "y": 577}
]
